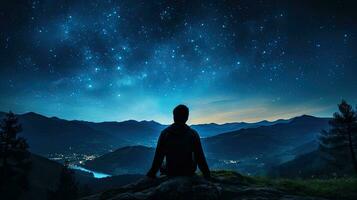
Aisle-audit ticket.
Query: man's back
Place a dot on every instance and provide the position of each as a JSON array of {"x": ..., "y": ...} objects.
[{"x": 183, "y": 151}]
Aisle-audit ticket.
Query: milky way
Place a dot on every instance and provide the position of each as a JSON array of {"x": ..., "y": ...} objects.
[{"x": 227, "y": 60}]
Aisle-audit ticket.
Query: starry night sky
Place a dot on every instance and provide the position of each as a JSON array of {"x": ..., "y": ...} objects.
[{"x": 136, "y": 59}]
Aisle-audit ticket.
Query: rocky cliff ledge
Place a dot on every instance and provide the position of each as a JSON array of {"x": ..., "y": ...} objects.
[{"x": 224, "y": 185}]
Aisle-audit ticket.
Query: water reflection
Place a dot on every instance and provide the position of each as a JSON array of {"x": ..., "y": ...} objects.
[{"x": 95, "y": 174}]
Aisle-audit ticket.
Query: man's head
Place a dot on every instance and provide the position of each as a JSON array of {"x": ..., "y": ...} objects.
[{"x": 181, "y": 114}]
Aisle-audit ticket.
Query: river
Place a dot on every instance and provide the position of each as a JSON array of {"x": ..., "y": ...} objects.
[{"x": 95, "y": 174}]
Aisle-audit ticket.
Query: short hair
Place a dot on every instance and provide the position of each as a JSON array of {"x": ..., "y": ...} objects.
[{"x": 181, "y": 113}]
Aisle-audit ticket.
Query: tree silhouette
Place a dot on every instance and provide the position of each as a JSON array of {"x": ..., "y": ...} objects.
[
  {"x": 14, "y": 158},
  {"x": 341, "y": 139},
  {"x": 67, "y": 187}
]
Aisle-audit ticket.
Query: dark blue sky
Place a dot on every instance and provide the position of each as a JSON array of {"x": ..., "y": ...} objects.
[{"x": 227, "y": 60}]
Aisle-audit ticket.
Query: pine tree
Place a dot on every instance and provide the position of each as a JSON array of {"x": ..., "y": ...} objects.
[
  {"x": 67, "y": 187},
  {"x": 340, "y": 142},
  {"x": 14, "y": 158}
]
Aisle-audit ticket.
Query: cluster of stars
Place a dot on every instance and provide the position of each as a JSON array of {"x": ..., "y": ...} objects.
[{"x": 173, "y": 52}]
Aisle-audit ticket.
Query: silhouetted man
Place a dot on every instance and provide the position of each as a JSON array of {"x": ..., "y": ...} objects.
[{"x": 181, "y": 146}]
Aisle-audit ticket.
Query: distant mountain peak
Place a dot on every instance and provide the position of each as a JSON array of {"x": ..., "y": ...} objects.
[
  {"x": 135, "y": 122},
  {"x": 150, "y": 121},
  {"x": 130, "y": 121},
  {"x": 304, "y": 117},
  {"x": 33, "y": 114}
]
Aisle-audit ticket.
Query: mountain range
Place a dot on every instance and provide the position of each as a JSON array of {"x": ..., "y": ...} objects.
[
  {"x": 52, "y": 135},
  {"x": 247, "y": 147},
  {"x": 248, "y": 150},
  {"x": 255, "y": 150}
]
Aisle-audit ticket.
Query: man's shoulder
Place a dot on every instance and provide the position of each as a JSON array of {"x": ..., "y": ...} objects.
[
  {"x": 167, "y": 129},
  {"x": 194, "y": 132},
  {"x": 173, "y": 128}
]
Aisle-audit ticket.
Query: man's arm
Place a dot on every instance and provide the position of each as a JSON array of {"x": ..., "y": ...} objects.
[
  {"x": 200, "y": 156},
  {"x": 159, "y": 157}
]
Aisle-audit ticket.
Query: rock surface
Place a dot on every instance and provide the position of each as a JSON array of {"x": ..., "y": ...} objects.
[{"x": 234, "y": 187}]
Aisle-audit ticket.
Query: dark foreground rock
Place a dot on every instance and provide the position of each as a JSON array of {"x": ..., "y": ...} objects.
[{"x": 221, "y": 186}]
